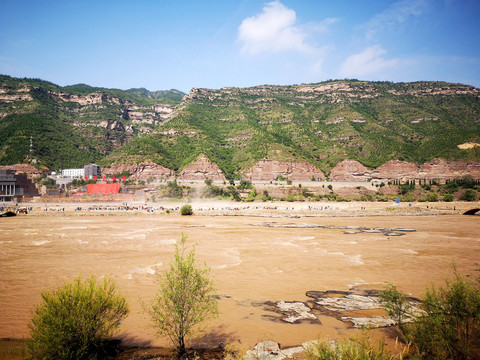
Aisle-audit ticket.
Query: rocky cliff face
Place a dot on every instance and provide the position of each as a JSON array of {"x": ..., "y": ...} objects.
[
  {"x": 128, "y": 117},
  {"x": 142, "y": 171},
  {"x": 350, "y": 170},
  {"x": 267, "y": 170},
  {"x": 101, "y": 118},
  {"x": 396, "y": 169},
  {"x": 202, "y": 169},
  {"x": 270, "y": 170},
  {"x": 438, "y": 169},
  {"x": 335, "y": 92}
]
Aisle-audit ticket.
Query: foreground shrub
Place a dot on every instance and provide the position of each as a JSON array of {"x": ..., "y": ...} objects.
[
  {"x": 358, "y": 348},
  {"x": 451, "y": 327},
  {"x": 185, "y": 299},
  {"x": 396, "y": 305},
  {"x": 74, "y": 321}
]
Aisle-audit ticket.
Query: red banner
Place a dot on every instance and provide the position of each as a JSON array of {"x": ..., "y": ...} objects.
[{"x": 103, "y": 188}]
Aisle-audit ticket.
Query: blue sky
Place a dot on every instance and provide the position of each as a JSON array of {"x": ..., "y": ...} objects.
[{"x": 212, "y": 44}]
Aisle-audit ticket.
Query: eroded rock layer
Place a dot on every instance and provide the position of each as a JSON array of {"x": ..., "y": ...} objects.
[
  {"x": 350, "y": 170},
  {"x": 143, "y": 171},
  {"x": 267, "y": 170},
  {"x": 202, "y": 169},
  {"x": 438, "y": 169}
]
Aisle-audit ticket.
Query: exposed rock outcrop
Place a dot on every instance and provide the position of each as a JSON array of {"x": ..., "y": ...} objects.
[
  {"x": 142, "y": 171},
  {"x": 270, "y": 350},
  {"x": 396, "y": 169},
  {"x": 29, "y": 170},
  {"x": 443, "y": 169},
  {"x": 439, "y": 169},
  {"x": 90, "y": 99},
  {"x": 202, "y": 169},
  {"x": 350, "y": 170},
  {"x": 267, "y": 170}
]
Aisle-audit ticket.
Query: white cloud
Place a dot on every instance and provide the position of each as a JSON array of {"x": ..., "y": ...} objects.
[
  {"x": 273, "y": 30},
  {"x": 397, "y": 14},
  {"x": 368, "y": 62}
]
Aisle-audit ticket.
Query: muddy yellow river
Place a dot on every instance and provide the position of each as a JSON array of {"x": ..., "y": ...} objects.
[{"x": 251, "y": 261}]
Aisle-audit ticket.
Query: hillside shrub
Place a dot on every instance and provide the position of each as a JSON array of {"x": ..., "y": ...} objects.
[
  {"x": 210, "y": 191},
  {"x": 251, "y": 196},
  {"x": 244, "y": 184},
  {"x": 290, "y": 198},
  {"x": 448, "y": 198},
  {"x": 432, "y": 197},
  {"x": 469, "y": 195},
  {"x": 172, "y": 190},
  {"x": 233, "y": 193},
  {"x": 75, "y": 321},
  {"x": 410, "y": 197}
]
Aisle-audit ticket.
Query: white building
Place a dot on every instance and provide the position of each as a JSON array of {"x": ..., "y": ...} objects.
[{"x": 74, "y": 173}]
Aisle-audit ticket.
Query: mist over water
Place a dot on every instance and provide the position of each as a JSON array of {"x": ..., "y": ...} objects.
[{"x": 250, "y": 264}]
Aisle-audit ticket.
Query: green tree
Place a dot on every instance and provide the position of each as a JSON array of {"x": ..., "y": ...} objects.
[
  {"x": 75, "y": 321},
  {"x": 396, "y": 305},
  {"x": 186, "y": 298}
]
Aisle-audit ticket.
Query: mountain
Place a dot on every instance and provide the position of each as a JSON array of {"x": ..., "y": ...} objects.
[
  {"x": 73, "y": 125},
  {"x": 320, "y": 124}
]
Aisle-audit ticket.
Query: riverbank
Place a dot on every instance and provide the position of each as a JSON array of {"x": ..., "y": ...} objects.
[{"x": 271, "y": 208}]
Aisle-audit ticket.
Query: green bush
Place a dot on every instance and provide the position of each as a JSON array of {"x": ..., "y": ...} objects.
[
  {"x": 432, "y": 197},
  {"x": 448, "y": 198},
  {"x": 469, "y": 195},
  {"x": 450, "y": 328},
  {"x": 290, "y": 198},
  {"x": 186, "y": 210},
  {"x": 244, "y": 184},
  {"x": 410, "y": 197},
  {"x": 172, "y": 190},
  {"x": 360, "y": 347},
  {"x": 75, "y": 321}
]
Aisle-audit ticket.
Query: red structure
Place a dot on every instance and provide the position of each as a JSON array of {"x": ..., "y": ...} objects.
[{"x": 103, "y": 188}]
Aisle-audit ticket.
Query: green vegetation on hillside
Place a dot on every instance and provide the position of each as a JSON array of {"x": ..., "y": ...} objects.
[
  {"x": 321, "y": 124},
  {"x": 371, "y": 123},
  {"x": 72, "y": 125}
]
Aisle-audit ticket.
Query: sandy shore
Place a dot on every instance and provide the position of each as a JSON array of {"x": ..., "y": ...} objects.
[{"x": 271, "y": 208}]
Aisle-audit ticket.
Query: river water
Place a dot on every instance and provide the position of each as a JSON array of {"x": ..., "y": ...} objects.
[{"x": 250, "y": 264}]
